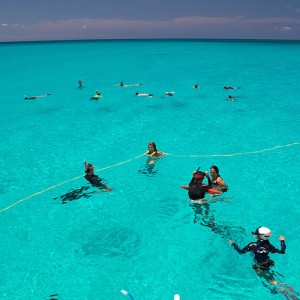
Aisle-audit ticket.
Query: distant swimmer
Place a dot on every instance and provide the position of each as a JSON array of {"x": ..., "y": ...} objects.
[
  {"x": 143, "y": 94},
  {"x": 228, "y": 88},
  {"x": 80, "y": 84},
  {"x": 96, "y": 96},
  {"x": 196, "y": 86},
  {"x": 170, "y": 93},
  {"x": 121, "y": 83},
  {"x": 36, "y": 97},
  {"x": 231, "y": 98}
]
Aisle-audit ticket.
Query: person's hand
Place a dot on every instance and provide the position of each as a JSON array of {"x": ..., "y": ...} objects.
[
  {"x": 231, "y": 242},
  {"x": 282, "y": 238}
]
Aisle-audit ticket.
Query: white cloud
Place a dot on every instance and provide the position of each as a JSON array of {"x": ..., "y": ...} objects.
[{"x": 284, "y": 28}]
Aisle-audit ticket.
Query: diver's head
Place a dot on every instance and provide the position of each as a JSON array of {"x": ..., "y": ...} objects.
[
  {"x": 262, "y": 233},
  {"x": 89, "y": 169},
  {"x": 199, "y": 176}
]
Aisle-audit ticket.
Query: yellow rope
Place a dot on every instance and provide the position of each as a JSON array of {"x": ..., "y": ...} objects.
[
  {"x": 234, "y": 154},
  {"x": 64, "y": 182}
]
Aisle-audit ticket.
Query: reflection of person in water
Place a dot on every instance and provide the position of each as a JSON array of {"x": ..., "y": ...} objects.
[
  {"x": 205, "y": 217},
  {"x": 75, "y": 195}
]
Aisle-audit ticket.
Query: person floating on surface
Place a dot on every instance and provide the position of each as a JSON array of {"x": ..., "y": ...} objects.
[
  {"x": 35, "y": 97},
  {"x": 143, "y": 94}
]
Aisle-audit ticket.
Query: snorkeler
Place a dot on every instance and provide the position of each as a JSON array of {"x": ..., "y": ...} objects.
[
  {"x": 143, "y": 94},
  {"x": 197, "y": 189},
  {"x": 231, "y": 98},
  {"x": 170, "y": 93},
  {"x": 121, "y": 83},
  {"x": 35, "y": 97},
  {"x": 228, "y": 88},
  {"x": 261, "y": 249},
  {"x": 93, "y": 178}
]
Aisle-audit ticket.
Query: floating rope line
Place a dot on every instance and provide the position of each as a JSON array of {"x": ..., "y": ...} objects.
[
  {"x": 66, "y": 181},
  {"x": 234, "y": 154}
]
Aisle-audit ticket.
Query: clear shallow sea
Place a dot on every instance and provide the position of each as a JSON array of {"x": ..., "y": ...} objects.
[{"x": 144, "y": 236}]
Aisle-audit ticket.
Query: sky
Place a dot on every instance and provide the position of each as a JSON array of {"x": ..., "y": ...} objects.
[{"x": 39, "y": 20}]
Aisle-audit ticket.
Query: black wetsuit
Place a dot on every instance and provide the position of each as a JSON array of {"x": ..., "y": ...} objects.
[
  {"x": 94, "y": 180},
  {"x": 197, "y": 190},
  {"x": 261, "y": 250}
]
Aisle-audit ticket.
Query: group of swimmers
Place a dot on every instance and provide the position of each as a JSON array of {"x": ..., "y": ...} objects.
[
  {"x": 168, "y": 93},
  {"x": 196, "y": 192},
  {"x": 261, "y": 247}
]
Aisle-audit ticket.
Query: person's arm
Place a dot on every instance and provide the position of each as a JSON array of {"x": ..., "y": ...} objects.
[
  {"x": 160, "y": 153},
  {"x": 221, "y": 182},
  {"x": 282, "y": 244},
  {"x": 240, "y": 251},
  {"x": 208, "y": 179}
]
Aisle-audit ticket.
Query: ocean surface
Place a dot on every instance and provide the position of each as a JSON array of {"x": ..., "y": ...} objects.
[{"x": 63, "y": 239}]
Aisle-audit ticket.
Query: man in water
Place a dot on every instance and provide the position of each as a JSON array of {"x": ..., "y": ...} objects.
[{"x": 261, "y": 249}]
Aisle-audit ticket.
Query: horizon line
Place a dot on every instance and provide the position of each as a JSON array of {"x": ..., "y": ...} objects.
[{"x": 153, "y": 39}]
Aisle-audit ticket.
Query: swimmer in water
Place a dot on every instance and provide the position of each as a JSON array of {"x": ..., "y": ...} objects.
[
  {"x": 217, "y": 182},
  {"x": 94, "y": 179},
  {"x": 143, "y": 94},
  {"x": 197, "y": 189},
  {"x": 261, "y": 249},
  {"x": 121, "y": 83},
  {"x": 170, "y": 93},
  {"x": 153, "y": 153},
  {"x": 231, "y": 98},
  {"x": 36, "y": 97}
]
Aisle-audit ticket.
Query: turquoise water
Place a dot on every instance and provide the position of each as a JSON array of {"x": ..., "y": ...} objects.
[{"x": 145, "y": 236}]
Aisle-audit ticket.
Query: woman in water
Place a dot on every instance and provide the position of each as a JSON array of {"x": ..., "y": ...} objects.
[
  {"x": 152, "y": 151},
  {"x": 153, "y": 154},
  {"x": 217, "y": 182}
]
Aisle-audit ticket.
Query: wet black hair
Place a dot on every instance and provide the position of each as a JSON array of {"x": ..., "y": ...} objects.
[{"x": 215, "y": 168}]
